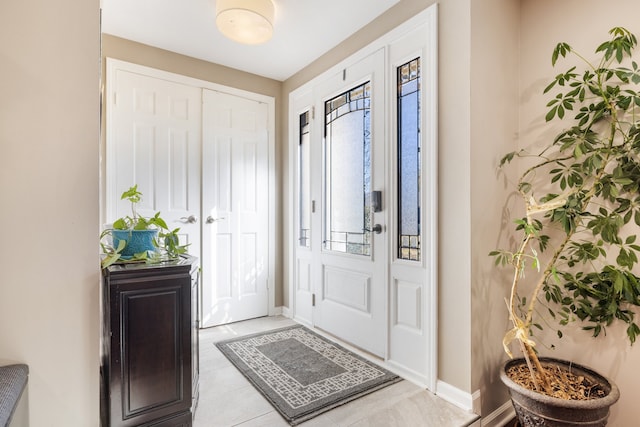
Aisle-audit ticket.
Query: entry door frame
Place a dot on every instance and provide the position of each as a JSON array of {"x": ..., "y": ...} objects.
[
  {"x": 107, "y": 184},
  {"x": 301, "y": 99}
]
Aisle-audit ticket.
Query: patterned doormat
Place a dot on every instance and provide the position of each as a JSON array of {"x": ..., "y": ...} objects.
[{"x": 301, "y": 373}]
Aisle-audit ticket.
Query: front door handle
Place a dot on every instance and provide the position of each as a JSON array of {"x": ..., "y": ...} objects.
[
  {"x": 211, "y": 220},
  {"x": 376, "y": 229}
]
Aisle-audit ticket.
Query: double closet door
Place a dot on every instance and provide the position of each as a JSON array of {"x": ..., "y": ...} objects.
[{"x": 201, "y": 158}]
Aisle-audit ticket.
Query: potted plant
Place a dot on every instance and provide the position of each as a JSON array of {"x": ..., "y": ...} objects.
[
  {"x": 136, "y": 238},
  {"x": 582, "y": 213}
]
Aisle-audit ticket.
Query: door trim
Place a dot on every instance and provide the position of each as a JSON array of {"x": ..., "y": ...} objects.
[{"x": 108, "y": 189}]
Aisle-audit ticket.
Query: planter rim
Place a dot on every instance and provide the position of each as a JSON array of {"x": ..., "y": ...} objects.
[
  {"x": 611, "y": 398},
  {"x": 130, "y": 230}
]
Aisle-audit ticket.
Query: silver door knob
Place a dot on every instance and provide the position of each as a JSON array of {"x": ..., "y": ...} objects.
[
  {"x": 376, "y": 229},
  {"x": 211, "y": 220},
  {"x": 191, "y": 219}
]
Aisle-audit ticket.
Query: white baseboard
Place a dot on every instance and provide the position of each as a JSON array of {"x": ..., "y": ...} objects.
[
  {"x": 476, "y": 402},
  {"x": 500, "y": 416},
  {"x": 454, "y": 395},
  {"x": 472, "y": 403}
]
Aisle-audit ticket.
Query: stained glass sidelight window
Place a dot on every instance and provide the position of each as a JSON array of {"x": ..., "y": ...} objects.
[
  {"x": 304, "y": 182},
  {"x": 348, "y": 171},
  {"x": 409, "y": 164}
]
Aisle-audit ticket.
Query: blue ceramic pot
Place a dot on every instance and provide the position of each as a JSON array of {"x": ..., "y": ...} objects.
[{"x": 137, "y": 241}]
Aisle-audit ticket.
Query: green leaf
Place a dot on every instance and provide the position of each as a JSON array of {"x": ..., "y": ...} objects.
[
  {"x": 618, "y": 283},
  {"x": 160, "y": 222},
  {"x": 109, "y": 260},
  {"x": 549, "y": 87},
  {"x": 120, "y": 224},
  {"x": 632, "y": 332},
  {"x": 507, "y": 158},
  {"x": 577, "y": 152},
  {"x": 132, "y": 194},
  {"x": 561, "y": 50}
]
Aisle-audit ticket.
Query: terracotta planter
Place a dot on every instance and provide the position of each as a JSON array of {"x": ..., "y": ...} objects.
[{"x": 535, "y": 409}]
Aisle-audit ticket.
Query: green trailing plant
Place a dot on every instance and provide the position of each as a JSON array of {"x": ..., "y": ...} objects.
[
  {"x": 582, "y": 205},
  {"x": 167, "y": 243}
]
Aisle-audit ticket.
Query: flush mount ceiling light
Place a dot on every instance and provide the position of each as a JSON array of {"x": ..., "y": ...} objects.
[{"x": 245, "y": 21}]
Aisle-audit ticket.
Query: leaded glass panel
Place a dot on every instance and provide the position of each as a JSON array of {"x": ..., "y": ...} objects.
[
  {"x": 409, "y": 162},
  {"x": 348, "y": 171},
  {"x": 304, "y": 182}
]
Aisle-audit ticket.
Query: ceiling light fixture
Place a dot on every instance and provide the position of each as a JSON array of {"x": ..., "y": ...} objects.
[{"x": 245, "y": 21}]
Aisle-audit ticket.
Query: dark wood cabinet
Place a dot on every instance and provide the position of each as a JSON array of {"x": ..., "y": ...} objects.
[{"x": 150, "y": 344}]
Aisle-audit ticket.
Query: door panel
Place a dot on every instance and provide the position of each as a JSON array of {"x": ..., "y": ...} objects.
[
  {"x": 156, "y": 146},
  {"x": 347, "y": 288},
  {"x": 235, "y": 208},
  {"x": 352, "y": 260}
]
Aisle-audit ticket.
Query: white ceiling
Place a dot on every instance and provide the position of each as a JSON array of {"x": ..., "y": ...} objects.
[{"x": 303, "y": 30}]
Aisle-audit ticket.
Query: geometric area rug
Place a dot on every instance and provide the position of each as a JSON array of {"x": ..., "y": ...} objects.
[{"x": 301, "y": 373}]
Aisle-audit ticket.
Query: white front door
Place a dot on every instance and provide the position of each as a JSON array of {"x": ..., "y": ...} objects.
[
  {"x": 376, "y": 291},
  {"x": 351, "y": 251},
  {"x": 235, "y": 208},
  {"x": 155, "y": 143}
]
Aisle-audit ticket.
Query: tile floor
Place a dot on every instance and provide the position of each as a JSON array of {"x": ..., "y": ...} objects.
[{"x": 228, "y": 399}]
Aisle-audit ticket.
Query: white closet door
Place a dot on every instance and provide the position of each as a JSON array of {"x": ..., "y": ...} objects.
[
  {"x": 235, "y": 208},
  {"x": 155, "y": 143}
]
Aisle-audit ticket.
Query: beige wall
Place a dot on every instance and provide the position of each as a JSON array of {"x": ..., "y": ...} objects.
[
  {"x": 494, "y": 128},
  {"x": 583, "y": 24},
  {"x": 49, "y": 264},
  {"x": 130, "y": 51},
  {"x": 137, "y": 53},
  {"x": 454, "y": 232}
]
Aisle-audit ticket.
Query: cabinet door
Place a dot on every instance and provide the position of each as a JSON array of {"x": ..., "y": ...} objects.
[
  {"x": 151, "y": 358},
  {"x": 195, "y": 339}
]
